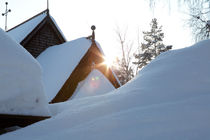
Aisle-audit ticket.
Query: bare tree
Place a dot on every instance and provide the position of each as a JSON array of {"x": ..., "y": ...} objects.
[
  {"x": 199, "y": 12},
  {"x": 199, "y": 20},
  {"x": 123, "y": 64},
  {"x": 188, "y": 2}
]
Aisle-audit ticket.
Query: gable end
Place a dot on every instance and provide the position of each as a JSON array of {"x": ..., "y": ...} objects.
[
  {"x": 82, "y": 70},
  {"x": 43, "y": 36}
]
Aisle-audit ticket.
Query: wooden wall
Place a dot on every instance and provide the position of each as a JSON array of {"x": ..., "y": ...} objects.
[{"x": 43, "y": 39}]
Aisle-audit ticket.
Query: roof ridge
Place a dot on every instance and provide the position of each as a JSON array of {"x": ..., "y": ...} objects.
[{"x": 28, "y": 20}]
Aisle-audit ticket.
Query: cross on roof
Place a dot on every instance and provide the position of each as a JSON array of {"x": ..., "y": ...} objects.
[{"x": 5, "y": 14}]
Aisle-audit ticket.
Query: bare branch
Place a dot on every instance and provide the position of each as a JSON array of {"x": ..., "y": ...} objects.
[{"x": 124, "y": 70}]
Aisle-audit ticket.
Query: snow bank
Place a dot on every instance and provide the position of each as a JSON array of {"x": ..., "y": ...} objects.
[
  {"x": 58, "y": 62},
  {"x": 21, "y": 87},
  {"x": 169, "y": 99},
  {"x": 95, "y": 84}
]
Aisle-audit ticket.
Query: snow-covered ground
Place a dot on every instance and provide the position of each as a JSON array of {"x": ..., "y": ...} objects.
[
  {"x": 168, "y": 100},
  {"x": 21, "y": 84}
]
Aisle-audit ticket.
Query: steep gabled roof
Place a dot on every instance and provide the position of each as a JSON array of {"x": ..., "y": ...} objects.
[
  {"x": 23, "y": 30},
  {"x": 58, "y": 62},
  {"x": 61, "y": 61}
]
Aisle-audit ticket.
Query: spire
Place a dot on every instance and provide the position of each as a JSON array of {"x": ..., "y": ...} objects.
[
  {"x": 48, "y": 4},
  {"x": 47, "y": 7}
]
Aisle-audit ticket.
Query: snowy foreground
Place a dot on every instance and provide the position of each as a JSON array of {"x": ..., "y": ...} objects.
[
  {"x": 168, "y": 100},
  {"x": 21, "y": 87}
]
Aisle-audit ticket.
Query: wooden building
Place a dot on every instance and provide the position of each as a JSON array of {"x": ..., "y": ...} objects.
[
  {"x": 40, "y": 33},
  {"x": 91, "y": 59}
]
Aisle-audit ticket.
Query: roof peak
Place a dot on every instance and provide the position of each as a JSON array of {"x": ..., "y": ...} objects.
[{"x": 45, "y": 11}]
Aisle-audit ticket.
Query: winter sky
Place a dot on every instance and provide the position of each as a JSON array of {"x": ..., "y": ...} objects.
[{"x": 76, "y": 17}]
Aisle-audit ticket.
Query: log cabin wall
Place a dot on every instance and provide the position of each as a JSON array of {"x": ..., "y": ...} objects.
[
  {"x": 43, "y": 39},
  {"x": 81, "y": 72}
]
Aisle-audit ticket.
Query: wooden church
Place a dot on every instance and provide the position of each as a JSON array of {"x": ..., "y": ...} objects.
[
  {"x": 41, "y": 33},
  {"x": 43, "y": 39}
]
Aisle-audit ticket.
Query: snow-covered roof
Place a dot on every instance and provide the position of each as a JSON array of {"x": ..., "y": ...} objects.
[
  {"x": 58, "y": 62},
  {"x": 20, "y": 32},
  {"x": 169, "y": 99},
  {"x": 95, "y": 84},
  {"x": 58, "y": 28},
  {"x": 21, "y": 86}
]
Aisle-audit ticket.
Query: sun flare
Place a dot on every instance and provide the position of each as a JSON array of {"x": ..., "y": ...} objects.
[{"x": 108, "y": 61}]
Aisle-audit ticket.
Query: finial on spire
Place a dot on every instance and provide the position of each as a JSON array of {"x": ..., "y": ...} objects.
[
  {"x": 48, "y": 4},
  {"x": 5, "y": 14},
  {"x": 92, "y": 37},
  {"x": 93, "y": 27},
  {"x": 48, "y": 7}
]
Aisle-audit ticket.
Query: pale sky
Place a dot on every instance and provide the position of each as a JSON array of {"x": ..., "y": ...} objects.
[{"x": 76, "y": 17}]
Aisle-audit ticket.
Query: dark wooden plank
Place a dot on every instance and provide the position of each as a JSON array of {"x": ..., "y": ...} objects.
[{"x": 7, "y": 120}]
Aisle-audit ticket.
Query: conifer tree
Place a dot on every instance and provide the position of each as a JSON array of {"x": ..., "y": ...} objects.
[{"x": 152, "y": 45}]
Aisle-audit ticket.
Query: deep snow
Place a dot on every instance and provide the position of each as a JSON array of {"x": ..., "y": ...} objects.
[
  {"x": 21, "y": 86},
  {"x": 168, "y": 100}
]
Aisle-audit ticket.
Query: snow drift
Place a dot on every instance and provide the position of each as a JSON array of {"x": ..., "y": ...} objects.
[
  {"x": 21, "y": 87},
  {"x": 169, "y": 99}
]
